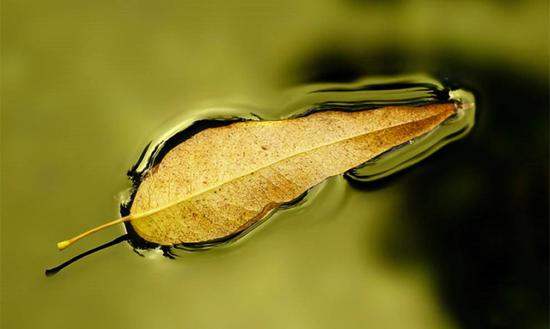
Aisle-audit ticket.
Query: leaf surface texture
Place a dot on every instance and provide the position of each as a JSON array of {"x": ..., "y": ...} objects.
[{"x": 222, "y": 180}]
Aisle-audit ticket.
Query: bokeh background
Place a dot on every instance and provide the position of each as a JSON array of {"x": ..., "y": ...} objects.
[{"x": 458, "y": 241}]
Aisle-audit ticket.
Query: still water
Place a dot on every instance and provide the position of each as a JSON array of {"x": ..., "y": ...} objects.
[
  {"x": 315, "y": 249},
  {"x": 455, "y": 241},
  {"x": 362, "y": 96}
]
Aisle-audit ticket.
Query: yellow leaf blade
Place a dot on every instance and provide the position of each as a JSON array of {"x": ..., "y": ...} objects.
[{"x": 224, "y": 179}]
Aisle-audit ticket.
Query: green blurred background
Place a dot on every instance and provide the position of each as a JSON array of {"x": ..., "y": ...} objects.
[{"x": 458, "y": 241}]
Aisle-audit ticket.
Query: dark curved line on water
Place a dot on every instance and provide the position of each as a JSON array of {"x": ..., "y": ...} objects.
[
  {"x": 390, "y": 86},
  {"x": 55, "y": 270}
]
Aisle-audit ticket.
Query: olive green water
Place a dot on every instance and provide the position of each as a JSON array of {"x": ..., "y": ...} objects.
[{"x": 85, "y": 87}]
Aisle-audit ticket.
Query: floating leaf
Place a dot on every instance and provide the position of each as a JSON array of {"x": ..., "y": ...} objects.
[
  {"x": 223, "y": 180},
  {"x": 220, "y": 178}
]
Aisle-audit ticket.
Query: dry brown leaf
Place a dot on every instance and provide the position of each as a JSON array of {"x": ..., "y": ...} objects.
[{"x": 223, "y": 180}]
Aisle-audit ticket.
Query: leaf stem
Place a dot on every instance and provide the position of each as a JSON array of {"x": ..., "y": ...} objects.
[{"x": 64, "y": 244}]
